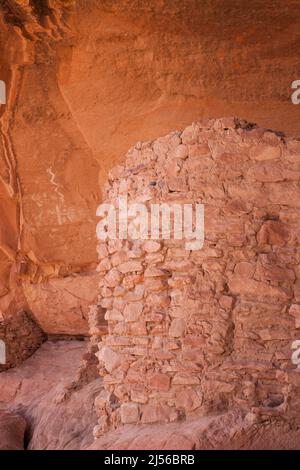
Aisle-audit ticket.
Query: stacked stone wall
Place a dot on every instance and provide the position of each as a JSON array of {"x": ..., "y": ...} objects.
[
  {"x": 206, "y": 330},
  {"x": 20, "y": 337}
]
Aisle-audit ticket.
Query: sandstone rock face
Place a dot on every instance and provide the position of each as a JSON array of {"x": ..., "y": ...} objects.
[
  {"x": 67, "y": 301},
  {"x": 12, "y": 430},
  {"x": 72, "y": 111},
  {"x": 211, "y": 329}
]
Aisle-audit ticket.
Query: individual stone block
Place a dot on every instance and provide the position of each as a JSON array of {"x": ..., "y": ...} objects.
[
  {"x": 130, "y": 413},
  {"x": 152, "y": 246},
  {"x": 185, "y": 379},
  {"x": 139, "y": 394},
  {"x": 262, "y": 152},
  {"x": 133, "y": 311},
  {"x": 188, "y": 399},
  {"x": 273, "y": 233},
  {"x": 113, "y": 315},
  {"x": 154, "y": 413},
  {"x": 113, "y": 278},
  {"x": 109, "y": 357},
  {"x": 159, "y": 382},
  {"x": 130, "y": 266}
]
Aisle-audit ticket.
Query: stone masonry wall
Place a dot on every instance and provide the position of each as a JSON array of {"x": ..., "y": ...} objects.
[
  {"x": 204, "y": 331},
  {"x": 21, "y": 336}
]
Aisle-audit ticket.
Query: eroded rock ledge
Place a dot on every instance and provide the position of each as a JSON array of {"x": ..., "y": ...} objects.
[{"x": 199, "y": 332}]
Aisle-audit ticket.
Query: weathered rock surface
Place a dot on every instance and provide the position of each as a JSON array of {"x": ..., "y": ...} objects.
[
  {"x": 229, "y": 431},
  {"x": 61, "y": 306}
]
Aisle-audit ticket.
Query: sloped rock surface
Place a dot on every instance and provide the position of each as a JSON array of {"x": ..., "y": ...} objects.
[
  {"x": 72, "y": 111},
  {"x": 44, "y": 390}
]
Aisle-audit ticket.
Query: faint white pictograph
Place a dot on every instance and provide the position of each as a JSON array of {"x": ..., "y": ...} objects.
[{"x": 163, "y": 221}]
